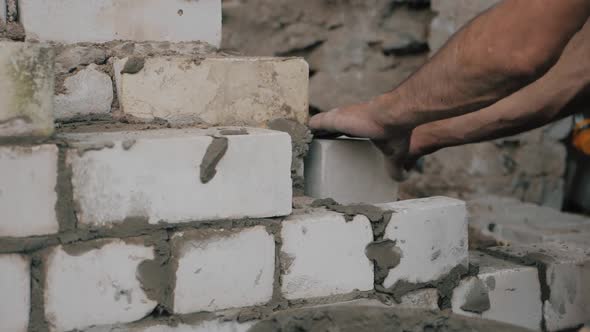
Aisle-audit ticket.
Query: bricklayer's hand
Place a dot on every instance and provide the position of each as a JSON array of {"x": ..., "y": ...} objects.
[{"x": 373, "y": 120}]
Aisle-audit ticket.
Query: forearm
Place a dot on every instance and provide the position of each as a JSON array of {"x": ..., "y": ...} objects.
[
  {"x": 502, "y": 50},
  {"x": 555, "y": 95}
]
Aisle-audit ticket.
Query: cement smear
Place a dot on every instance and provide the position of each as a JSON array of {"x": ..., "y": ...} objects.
[
  {"x": 376, "y": 319},
  {"x": 386, "y": 255},
  {"x": 445, "y": 285},
  {"x": 133, "y": 65},
  {"x": 477, "y": 299},
  {"x": 379, "y": 218},
  {"x": 215, "y": 151}
]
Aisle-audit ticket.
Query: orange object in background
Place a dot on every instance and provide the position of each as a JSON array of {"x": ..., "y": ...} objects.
[{"x": 581, "y": 136}]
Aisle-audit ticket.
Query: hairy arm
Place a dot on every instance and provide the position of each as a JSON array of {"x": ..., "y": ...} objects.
[
  {"x": 563, "y": 90},
  {"x": 499, "y": 52}
]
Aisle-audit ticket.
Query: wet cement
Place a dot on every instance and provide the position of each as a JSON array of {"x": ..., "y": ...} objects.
[
  {"x": 477, "y": 299},
  {"x": 445, "y": 285},
  {"x": 378, "y": 217},
  {"x": 215, "y": 151},
  {"x": 375, "y": 319},
  {"x": 133, "y": 65},
  {"x": 385, "y": 255}
]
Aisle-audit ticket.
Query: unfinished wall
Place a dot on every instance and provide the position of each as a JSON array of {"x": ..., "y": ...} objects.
[{"x": 358, "y": 49}]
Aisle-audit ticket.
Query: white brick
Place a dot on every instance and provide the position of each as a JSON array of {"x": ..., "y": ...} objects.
[
  {"x": 28, "y": 176},
  {"x": 88, "y": 92},
  {"x": 567, "y": 274},
  {"x": 15, "y": 291},
  {"x": 26, "y": 89},
  {"x": 349, "y": 171},
  {"x": 324, "y": 255},
  {"x": 216, "y": 90},
  {"x": 431, "y": 234},
  {"x": 155, "y": 174},
  {"x": 512, "y": 291},
  {"x": 220, "y": 269},
  {"x": 72, "y": 21},
  {"x": 513, "y": 221},
  {"x": 97, "y": 286}
]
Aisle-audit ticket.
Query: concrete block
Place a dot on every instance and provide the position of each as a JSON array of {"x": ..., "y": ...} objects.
[
  {"x": 88, "y": 92},
  {"x": 215, "y": 90},
  {"x": 28, "y": 177},
  {"x": 502, "y": 291},
  {"x": 72, "y": 21},
  {"x": 324, "y": 255},
  {"x": 349, "y": 171},
  {"x": 221, "y": 269},
  {"x": 431, "y": 235},
  {"x": 15, "y": 280},
  {"x": 26, "y": 89},
  {"x": 180, "y": 175},
  {"x": 95, "y": 283},
  {"x": 566, "y": 269}
]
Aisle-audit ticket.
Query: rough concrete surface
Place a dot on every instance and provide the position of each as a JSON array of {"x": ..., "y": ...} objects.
[{"x": 371, "y": 318}]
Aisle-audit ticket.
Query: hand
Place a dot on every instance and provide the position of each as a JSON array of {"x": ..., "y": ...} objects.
[{"x": 373, "y": 120}]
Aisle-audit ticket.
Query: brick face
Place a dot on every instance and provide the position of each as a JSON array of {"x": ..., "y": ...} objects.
[
  {"x": 71, "y": 21},
  {"x": 155, "y": 175},
  {"x": 26, "y": 67},
  {"x": 95, "y": 284},
  {"x": 513, "y": 291},
  {"x": 324, "y": 255},
  {"x": 431, "y": 234},
  {"x": 567, "y": 271},
  {"x": 15, "y": 289},
  {"x": 349, "y": 171},
  {"x": 219, "y": 269},
  {"x": 216, "y": 90},
  {"x": 28, "y": 177}
]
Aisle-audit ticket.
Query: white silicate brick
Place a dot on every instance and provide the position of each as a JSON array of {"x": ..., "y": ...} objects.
[
  {"x": 26, "y": 90},
  {"x": 221, "y": 269},
  {"x": 72, "y": 21},
  {"x": 28, "y": 177},
  {"x": 155, "y": 174},
  {"x": 512, "y": 291},
  {"x": 15, "y": 280},
  {"x": 94, "y": 285},
  {"x": 324, "y": 255},
  {"x": 431, "y": 234},
  {"x": 349, "y": 171},
  {"x": 217, "y": 91},
  {"x": 567, "y": 271}
]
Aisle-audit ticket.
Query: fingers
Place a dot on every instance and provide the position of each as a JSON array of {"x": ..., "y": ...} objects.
[
  {"x": 395, "y": 158},
  {"x": 325, "y": 121}
]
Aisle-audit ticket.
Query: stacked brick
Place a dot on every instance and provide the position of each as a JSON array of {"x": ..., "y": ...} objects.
[{"x": 182, "y": 221}]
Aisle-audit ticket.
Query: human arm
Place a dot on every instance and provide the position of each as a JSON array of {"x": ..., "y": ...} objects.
[{"x": 563, "y": 90}]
